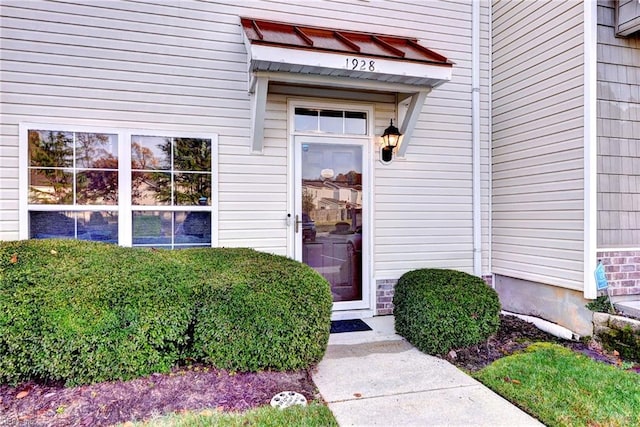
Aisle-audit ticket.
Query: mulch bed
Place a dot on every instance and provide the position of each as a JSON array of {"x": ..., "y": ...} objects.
[
  {"x": 198, "y": 387},
  {"x": 515, "y": 335},
  {"x": 104, "y": 404}
]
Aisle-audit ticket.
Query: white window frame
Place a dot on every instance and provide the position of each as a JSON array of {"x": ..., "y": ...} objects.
[{"x": 124, "y": 207}]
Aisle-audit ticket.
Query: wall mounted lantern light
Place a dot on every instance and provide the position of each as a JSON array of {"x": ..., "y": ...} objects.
[{"x": 390, "y": 140}]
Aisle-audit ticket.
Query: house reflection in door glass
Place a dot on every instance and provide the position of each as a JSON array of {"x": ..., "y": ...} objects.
[{"x": 332, "y": 216}]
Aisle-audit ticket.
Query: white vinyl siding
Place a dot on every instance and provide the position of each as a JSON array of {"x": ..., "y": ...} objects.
[
  {"x": 423, "y": 211},
  {"x": 181, "y": 67},
  {"x": 618, "y": 133},
  {"x": 538, "y": 156}
]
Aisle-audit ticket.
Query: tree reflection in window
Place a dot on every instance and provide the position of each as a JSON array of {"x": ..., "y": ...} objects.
[
  {"x": 58, "y": 160},
  {"x": 171, "y": 171}
]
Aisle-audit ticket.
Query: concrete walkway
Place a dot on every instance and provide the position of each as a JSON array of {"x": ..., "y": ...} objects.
[{"x": 377, "y": 378}]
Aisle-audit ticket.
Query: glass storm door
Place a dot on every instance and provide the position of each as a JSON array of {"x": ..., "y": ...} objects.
[{"x": 329, "y": 215}]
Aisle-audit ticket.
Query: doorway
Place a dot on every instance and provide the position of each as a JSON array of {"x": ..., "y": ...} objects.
[{"x": 331, "y": 215}]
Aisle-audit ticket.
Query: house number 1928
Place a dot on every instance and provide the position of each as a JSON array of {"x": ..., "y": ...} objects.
[{"x": 360, "y": 64}]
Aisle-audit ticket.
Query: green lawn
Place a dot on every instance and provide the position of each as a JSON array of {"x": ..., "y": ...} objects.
[
  {"x": 564, "y": 388},
  {"x": 314, "y": 415}
]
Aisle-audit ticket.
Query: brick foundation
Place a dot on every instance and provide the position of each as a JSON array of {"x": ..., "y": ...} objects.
[
  {"x": 623, "y": 271},
  {"x": 384, "y": 296}
]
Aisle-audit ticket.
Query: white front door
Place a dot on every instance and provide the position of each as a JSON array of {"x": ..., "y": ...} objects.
[{"x": 331, "y": 215}]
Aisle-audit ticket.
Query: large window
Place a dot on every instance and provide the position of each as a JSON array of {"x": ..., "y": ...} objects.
[
  {"x": 132, "y": 188},
  {"x": 174, "y": 173}
]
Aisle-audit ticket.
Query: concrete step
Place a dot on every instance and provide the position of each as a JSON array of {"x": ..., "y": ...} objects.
[{"x": 630, "y": 308}]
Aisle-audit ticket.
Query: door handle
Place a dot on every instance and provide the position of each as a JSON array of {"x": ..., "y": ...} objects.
[{"x": 297, "y": 222}]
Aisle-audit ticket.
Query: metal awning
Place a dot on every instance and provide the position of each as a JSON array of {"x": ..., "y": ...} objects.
[{"x": 317, "y": 56}]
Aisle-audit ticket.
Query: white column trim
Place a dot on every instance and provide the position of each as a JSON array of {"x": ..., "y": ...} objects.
[
  {"x": 590, "y": 147},
  {"x": 23, "y": 181},
  {"x": 259, "y": 109},
  {"x": 475, "y": 136}
]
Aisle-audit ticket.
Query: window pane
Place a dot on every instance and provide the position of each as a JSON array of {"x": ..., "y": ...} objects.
[
  {"x": 192, "y": 154},
  {"x": 97, "y": 188},
  {"x": 355, "y": 123},
  {"x": 98, "y": 226},
  {"x": 306, "y": 120},
  {"x": 331, "y": 121},
  {"x": 193, "y": 227},
  {"x": 172, "y": 229},
  {"x": 50, "y": 148},
  {"x": 150, "y": 152},
  {"x": 46, "y": 225},
  {"x": 50, "y": 186},
  {"x": 151, "y": 188},
  {"x": 192, "y": 189},
  {"x": 96, "y": 150},
  {"x": 152, "y": 228}
]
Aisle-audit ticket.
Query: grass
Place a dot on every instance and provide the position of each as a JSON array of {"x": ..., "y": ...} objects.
[
  {"x": 310, "y": 416},
  {"x": 564, "y": 388}
]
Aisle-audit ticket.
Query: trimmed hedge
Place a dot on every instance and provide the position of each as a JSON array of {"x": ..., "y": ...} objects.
[
  {"x": 439, "y": 310},
  {"x": 83, "y": 312}
]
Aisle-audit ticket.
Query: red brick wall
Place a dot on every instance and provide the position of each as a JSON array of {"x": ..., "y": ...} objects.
[
  {"x": 384, "y": 296},
  {"x": 623, "y": 271}
]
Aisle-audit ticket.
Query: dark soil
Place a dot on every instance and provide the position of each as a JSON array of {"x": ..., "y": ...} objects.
[
  {"x": 195, "y": 388},
  {"x": 198, "y": 387},
  {"x": 515, "y": 335}
]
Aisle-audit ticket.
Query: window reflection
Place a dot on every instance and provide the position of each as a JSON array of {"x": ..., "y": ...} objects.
[
  {"x": 330, "y": 121},
  {"x": 57, "y": 159},
  {"x": 332, "y": 215},
  {"x": 172, "y": 229},
  {"x": 306, "y": 120},
  {"x": 152, "y": 228},
  {"x": 192, "y": 189},
  {"x": 181, "y": 184},
  {"x": 43, "y": 225},
  {"x": 192, "y": 154},
  {"x": 96, "y": 151},
  {"x": 150, "y": 153},
  {"x": 151, "y": 188},
  {"x": 97, "y": 188},
  {"x": 355, "y": 123},
  {"x": 51, "y": 186},
  {"x": 50, "y": 148},
  {"x": 97, "y": 226}
]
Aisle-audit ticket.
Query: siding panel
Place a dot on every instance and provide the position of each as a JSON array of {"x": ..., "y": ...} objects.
[
  {"x": 538, "y": 186},
  {"x": 618, "y": 131}
]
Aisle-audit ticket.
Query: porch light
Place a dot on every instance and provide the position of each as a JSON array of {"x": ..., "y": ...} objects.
[{"x": 390, "y": 140}]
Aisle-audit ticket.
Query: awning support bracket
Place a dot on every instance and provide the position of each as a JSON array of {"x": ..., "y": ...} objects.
[
  {"x": 411, "y": 119},
  {"x": 259, "y": 107}
]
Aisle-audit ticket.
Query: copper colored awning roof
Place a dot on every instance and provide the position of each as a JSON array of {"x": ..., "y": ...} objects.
[
  {"x": 285, "y": 47},
  {"x": 340, "y": 41}
]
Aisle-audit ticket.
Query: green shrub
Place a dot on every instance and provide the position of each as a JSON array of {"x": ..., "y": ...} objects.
[
  {"x": 82, "y": 312},
  {"x": 438, "y": 310},
  {"x": 275, "y": 316}
]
